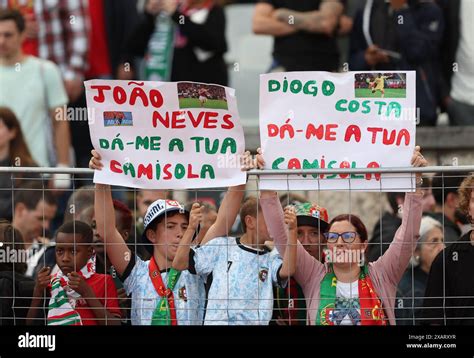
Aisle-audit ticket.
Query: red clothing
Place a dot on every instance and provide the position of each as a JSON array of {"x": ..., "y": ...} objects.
[
  {"x": 26, "y": 7},
  {"x": 105, "y": 290},
  {"x": 59, "y": 39},
  {"x": 99, "y": 64}
]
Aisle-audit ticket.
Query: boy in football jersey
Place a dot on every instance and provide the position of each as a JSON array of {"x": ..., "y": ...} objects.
[{"x": 242, "y": 271}]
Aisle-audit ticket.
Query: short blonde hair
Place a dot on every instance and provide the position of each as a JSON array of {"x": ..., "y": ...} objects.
[{"x": 464, "y": 192}]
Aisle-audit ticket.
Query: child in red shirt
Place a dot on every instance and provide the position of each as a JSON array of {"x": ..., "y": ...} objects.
[{"x": 79, "y": 295}]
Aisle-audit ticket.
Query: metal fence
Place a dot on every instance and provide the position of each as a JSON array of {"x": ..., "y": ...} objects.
[{"x": 454, "y": 305}]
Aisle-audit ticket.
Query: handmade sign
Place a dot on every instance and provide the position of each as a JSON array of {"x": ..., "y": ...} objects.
[
  {"x": 165, "y": 135},
  {"x": 323, "y": 120}
]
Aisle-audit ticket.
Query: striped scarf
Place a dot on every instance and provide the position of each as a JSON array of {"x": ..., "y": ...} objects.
[
  {"x": 371, "y": 308},
  {"x": 62, "y": 304}
]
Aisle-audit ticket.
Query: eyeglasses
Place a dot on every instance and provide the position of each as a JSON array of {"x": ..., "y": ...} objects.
[{"x": 347, "y": 237}]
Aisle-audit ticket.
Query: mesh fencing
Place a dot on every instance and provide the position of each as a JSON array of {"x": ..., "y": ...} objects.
[{"x": 235, "y": 277}]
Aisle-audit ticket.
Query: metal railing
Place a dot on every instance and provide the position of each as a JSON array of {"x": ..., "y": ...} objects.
[{"x": 80, "y": 174}]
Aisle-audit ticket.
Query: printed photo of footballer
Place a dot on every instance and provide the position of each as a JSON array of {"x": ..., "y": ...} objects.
[
  {"x": 200, "y": 95},
  {"x": 380, "y": 85}
]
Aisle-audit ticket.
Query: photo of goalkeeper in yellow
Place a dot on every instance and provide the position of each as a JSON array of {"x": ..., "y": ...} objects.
[{"x": 380, "y": 85}]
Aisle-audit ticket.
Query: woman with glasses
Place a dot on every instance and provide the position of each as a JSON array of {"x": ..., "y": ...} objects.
[{"x": 346, "y": 290}]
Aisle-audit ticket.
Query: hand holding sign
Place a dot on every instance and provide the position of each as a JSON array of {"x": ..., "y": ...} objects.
[
  {"x": 259, "y": 158},
  {"x": 418, "y": 160},
  {"x": 290, "y": 217},
  {"x": 95, "y": 162},
  {"x": 195, "y": 216}
]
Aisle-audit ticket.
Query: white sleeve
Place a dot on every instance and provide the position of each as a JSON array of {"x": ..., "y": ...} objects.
[
  {"x": 204, "y": 258},
  {"x": 135, "y": 270}
]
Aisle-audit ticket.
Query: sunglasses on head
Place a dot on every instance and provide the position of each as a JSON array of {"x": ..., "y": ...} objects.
[{"x": 347, "y": 237}]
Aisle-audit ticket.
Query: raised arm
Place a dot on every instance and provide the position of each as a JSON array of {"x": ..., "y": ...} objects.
[
  {"x": 395, "y": 260},
  {"x": 274, "y": 217},
  {"x": 227, "y": 213},
  {"x": 306, "y": 265},
  {"x": 116, "y": 249},
  {"x": 230, "y": 206},
  {"x": 288, "y": 267},
  {"x": 264, "y": 23},
  {"x": 181, "y": 260},
  {"x": 325, "y": 20}
]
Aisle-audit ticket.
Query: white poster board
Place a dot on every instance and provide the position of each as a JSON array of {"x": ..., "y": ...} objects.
[
  {"x": 165, "y": 135},
  {"x": 323, "y": 120}
]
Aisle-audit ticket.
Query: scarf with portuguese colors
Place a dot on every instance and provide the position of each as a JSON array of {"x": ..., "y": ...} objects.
[
  {"x": 62, "y": 304},
  {"x": 371, "y": 311},
  {"x": 165, "y": 311}
]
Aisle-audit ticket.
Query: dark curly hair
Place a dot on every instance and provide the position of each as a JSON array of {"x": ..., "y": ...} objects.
[{"x": 464, "y": 192}]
